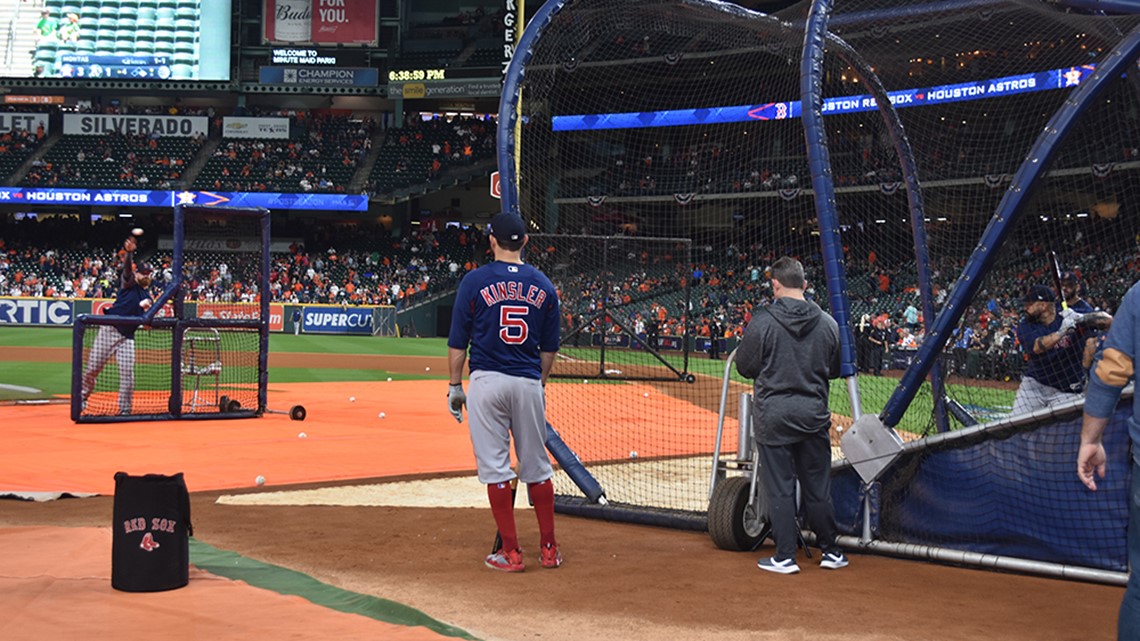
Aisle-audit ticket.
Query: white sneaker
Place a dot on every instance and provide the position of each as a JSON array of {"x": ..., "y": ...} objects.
[
  {"x": 833, "y": 560},
  {"x": 772, "y": 564}
]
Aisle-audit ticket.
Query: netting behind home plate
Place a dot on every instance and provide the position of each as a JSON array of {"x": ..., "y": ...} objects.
[
  {"x": 202, "y": 349},
  {"x": 622, "y": 391},
  {"x": 1014, "y": 138}
]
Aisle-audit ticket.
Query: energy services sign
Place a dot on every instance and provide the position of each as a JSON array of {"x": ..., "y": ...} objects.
[{"x": 320, "y": 77}]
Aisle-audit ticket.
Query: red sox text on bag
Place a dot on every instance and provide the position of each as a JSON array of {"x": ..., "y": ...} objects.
[{"x": 138, "y": 524}]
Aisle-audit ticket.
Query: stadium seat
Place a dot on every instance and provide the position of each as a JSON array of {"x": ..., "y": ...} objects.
[
  {"x": 165, "y": 13},
  {"x": 182, "y": 72},
  {"x": 165, "y": 36},
  {"x": 185, "y": 30},
  {"x": 47, "y": 46},
  {"x": 186, "y": 13}
]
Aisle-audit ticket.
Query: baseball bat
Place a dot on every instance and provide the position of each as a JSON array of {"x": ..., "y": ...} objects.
[
  {"x": 1055, "y": 267},
  {"x": 498, "y": 544}
]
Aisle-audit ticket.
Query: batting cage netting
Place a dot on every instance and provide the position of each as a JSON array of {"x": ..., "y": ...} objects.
[
  {"x": 970, "y": 189},
  {"x": 201, "y": 351}
]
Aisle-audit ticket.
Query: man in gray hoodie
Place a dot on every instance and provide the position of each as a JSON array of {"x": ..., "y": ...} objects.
[{"x": 791, "y": 349}]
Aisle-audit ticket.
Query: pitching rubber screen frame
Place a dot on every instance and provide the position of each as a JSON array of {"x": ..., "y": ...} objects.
[{"x": 191, "y": 367}]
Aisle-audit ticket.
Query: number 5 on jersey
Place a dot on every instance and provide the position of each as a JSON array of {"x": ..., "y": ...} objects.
[{"x": 513, "y": 329}]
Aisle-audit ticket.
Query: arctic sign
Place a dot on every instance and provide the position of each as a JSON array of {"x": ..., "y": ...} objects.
[{"x": 35, "y": 311}]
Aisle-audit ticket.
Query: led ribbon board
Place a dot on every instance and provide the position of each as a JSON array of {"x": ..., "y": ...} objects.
[{"x": 977, "y": 90}]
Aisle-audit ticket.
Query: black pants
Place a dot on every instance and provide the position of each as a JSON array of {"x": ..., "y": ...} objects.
[
  {"x": 810, "y": 461},
  {"x": 876, "y": 355}
]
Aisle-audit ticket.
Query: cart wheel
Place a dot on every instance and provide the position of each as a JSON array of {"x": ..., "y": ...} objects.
[
  {"x": 233, "y": 405},
  {"x": 224, "y": 403},
  {"x": 733, "y": 524},
  {"x": 298, "y": 413}
]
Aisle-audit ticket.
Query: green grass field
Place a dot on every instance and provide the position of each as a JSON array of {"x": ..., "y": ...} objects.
[{"x": 55, "y": 378}]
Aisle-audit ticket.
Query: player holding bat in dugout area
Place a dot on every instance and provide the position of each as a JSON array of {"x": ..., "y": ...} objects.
[
  {"x": 118, "y": 341},
  {"x": 508, "y": 312}
]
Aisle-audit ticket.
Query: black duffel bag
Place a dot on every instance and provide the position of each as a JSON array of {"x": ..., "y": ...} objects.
[{"x": 150, "y": 543}]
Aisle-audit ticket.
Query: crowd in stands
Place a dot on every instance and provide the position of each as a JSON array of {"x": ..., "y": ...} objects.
[
  {"x": 61, "y": 257},
  {"x": 130, "y": 161},
  {"x": 16, "y": 146},
  {"x": 422, "y": 151},
  {"x": 321, "y": 155},
  {"x": 709, "y": 289}
]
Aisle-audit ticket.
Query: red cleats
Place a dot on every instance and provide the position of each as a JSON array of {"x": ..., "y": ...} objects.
[
  {"x": 551, "y": 557},
  {"x": 507, "y": 561}
]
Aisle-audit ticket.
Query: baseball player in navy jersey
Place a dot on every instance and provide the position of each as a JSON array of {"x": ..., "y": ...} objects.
[
  {"x": 508, "y": 313},
  {"x": 1054, "y": 343},
  {"x": 118, "y": 341}
]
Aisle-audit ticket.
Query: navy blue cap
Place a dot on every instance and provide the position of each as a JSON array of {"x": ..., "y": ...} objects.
[
  {"x": 506, "y": 226},
  {"x": 1069, "y": 277},
  {"x": 144, "y": 268},
  {"x": 1039, "y": 293}
]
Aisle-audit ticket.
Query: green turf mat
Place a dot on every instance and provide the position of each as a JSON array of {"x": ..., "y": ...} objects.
[{"x": 285, "y": 581}]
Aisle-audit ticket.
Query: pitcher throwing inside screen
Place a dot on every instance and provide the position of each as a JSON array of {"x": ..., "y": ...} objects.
[
  {"x": 508, "y": 313},
  {"x": 118, "y": 341}
]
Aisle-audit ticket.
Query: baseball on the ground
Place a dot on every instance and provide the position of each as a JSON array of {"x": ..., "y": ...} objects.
[
  {"x": 647, "y": 395},
  {"x": 633, "y": 454},
  {"x": 351, "y": 399},
  {"x": 427, "y": 369},
  {"x": 389, "y": 379},
  {"x": 302, "y": 435},
  {"x": 137, "y": 231},
  {"x": 260, "y": 480},
  {"x": 383, "y": 415}
]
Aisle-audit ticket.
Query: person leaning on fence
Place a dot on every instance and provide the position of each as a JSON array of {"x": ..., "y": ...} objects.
[
  {"x": 791, "y": 349},
  {"x": 1114, "y": 369}
]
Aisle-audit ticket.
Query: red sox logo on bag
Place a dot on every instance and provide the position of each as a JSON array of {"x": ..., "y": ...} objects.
[
  {"x": 156, "y": 524},
  {"x": 148, "y": 543}
]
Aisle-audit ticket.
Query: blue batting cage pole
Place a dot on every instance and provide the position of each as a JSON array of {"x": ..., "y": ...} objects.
[
  {"x": 914, "y": 198},
  {"x": 508, "y": 101},
  {"x": 819, "y": 160},
  {"x": 177, "y": 271},
  {"x": 263, "y": 330},
  {"x": 1017, "y": 196}
]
